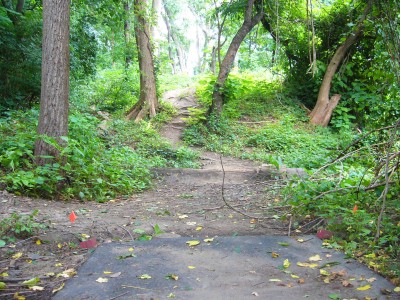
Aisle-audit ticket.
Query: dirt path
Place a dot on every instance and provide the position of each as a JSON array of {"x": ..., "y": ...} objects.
[{"x": 184, "y": 202}]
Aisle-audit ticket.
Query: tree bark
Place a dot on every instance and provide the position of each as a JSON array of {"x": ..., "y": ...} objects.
[
  {"x": 324, "y": 107},
  {"x": 53, "y": 116},
  {"x": 148, "y": 102},
  {"x": 227, "y": 62},
  {"x": 127, "y": 33}
]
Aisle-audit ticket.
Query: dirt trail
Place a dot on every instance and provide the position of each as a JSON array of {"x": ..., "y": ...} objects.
[{"x": 184, "y": 202}]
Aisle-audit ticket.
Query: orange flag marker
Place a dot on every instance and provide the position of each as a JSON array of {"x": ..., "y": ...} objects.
[
  {"x": 355, "y": 208},
  {"x": 72, "y": 217}
]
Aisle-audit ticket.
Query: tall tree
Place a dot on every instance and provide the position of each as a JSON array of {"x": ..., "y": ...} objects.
[
  {"x": 324, "y": 107},
  {"x": 53, "y": 116},
  {"x": 148, "y": 102},
  {"x": 250, "y": 20}
]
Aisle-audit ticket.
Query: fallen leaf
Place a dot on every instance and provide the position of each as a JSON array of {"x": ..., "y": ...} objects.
[
  {"x": 85, "y": 236},
  {"x": 372, "y": 279},
  {"x": 286, "y": 263},
  {"x": 191, "y": 223},
  {"x": 36, "y": 288},
  {"x": 346, "y": 283},
  {"x": 2, "y": 285},
  {"x": 183, "y": 216},
  {"x": 50, "y": 274},
  {"x": 67, "y": 273},
  {"x": 294, "y": 276},
  {"x": 4, "y": 274},
  {"x": 191, "y": 267},
  {"x": 17, "y": 255},
  {"x": 124, "y": 256},
  {"x": 255, "y": 294},
  {"x": 274, "y": 255},
  {"x": 300, "y": 240},
  {"x": 364, "y": 287},
  {"x": 59, "y": 246},
  {"x": 102, "y": 280},
  {"x": 193, "y": 243},
  {"x": 199, "y": 228},
  {"x": 171, "y": 295},
  {"x": 397, "y": 289},
  {"x": 38, "y": 242},
  {"x": 315, "y": 258},
  {"x": 327, "y": 280},
  {"x": 301, "y": 281},
  {"x": 58, "y": 289},
  {"x": 284, "y": 244},
  {"x": 172, "y": 276},
  {"x": 131, "y": 249},
  {"x": 335, "y": 296},
  {"x": 324, "y": 234},
  {"x": 58, "y": 265},
  {"x": 307, "y": 265},
  {"x": 253, "y": 221},
  {"x": 88, "y": 244},
  {"x": 31, "y": 282},
  {"x": 324, "y": 272},
  {"x": 275, "y": 280},
  {"x": 115, "y": 275},
  {"x": 209, "y": 240},
  {"x": 107, "y": 272},
  {"x": 144, "y": 276},
  {"x": 72, "y": 217},
  {"x": 17, "y": 296}
]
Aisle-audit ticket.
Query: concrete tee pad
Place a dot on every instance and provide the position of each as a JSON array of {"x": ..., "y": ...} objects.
[{"x": 241, "y": 267}]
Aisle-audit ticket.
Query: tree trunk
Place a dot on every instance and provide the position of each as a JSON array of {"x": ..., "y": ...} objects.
[
  {"x": 227, "y": 62},
  {"x": 170, "y": 53},
  {"x": 148, "y": 102},
  {"x": 127, "y": 33},
  {"x": 155, "y": 11},
  {"x": 53, "y": 116},
  {"x": 324, "y": 107}
]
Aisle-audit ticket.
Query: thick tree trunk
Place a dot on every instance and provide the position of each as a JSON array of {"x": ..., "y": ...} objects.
[
  {"x": 324, "y": 107},
  {"x": 227, "y": 62},
  {"x": 148, "y": 102},
  {"x": 53, "y": 116},
  {"x": 155, "y": 11}
]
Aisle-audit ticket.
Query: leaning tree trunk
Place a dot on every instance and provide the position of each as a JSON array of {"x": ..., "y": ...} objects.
[
  {"x": 227, "y": 62},
  {"x": 53, "y": 116},
  {"x": 148, "y": 102},
  {"x": 127, "y": 34},
  {"x": 324, "y": 107}
]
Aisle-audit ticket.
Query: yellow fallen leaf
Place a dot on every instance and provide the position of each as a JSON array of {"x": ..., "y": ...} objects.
[
  {"x": 286, "y": 263},
  {"x": 209, "y": 240},
  {"x": 107, "y": 272},
  {"x": 144, "y": 276},
  {"x": 300, "y": 240},
  {"x": 275, "y": 280},
  {"x": 315, "y": 258},
  {"x": 294, "y": 276},
  {"x": 17, "y": 296},
  {"x": 327, "y": 280},
  {"x": 36, "y": 288},
  {"x": 58, "y": 265},
  {"x": 85, "y": 236},
  {"x": 324, "y": 272},
  {"x": 17, "y": 255},
  {"x": 67, "y": 273},
  {"x": 50, "y": 274},
  {"x": 230, "y": 216},
  {"x": 193, "y": 243},
  {"x": 4, "y": 274},
  {"x": 58, "y": 289},
  {"x": 397, "y": 289},
  {"x": 307, "y": 265},
  {"x": 38, "y": 242},
  {"x": 199, "y": 228},
  {"x": 59, "y": 246},
  {"x": 102, "y": 280},
  {"x": 274, "y": 255},
  {"x": 3, "y": 286},
  {"x": 364, "y": 287},
  {"x": 131, "y": 249},
  {"x": 171, "y": 295},
  {"x": 183, "y": 216},
  {"x": 191, "y": 267}
]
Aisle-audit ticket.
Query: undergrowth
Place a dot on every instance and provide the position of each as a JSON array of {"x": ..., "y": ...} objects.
[
  {"x": 106, "y": 156},
  {"x": 260, "y": 122}
]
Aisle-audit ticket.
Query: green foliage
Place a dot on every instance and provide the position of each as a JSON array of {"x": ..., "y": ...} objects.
[{"x": 20, "y": 226}]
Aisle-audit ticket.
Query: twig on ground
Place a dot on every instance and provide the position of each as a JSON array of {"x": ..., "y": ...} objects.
[
  {"x": 290, "y": 224},
  {"x": 127, "y": 232},
  {"x": 120, "y": 295}
]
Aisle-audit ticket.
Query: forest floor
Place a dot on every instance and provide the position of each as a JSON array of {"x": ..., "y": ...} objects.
[
  {"x": 226, "y": 197},
  {"x": 183, "y": 202}
]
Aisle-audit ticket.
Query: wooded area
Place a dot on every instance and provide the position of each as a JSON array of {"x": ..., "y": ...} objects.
[{"x": 307, "y": 84}]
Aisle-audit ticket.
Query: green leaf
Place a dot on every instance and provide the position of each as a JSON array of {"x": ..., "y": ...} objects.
[
  {"x": 157, "y": 230},
  {"x": 31, "y": 282},
  {"x": 2, "y": 243}
]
